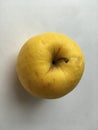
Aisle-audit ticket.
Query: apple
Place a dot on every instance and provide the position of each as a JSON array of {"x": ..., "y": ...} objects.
[{"x": 50, "y": 65}]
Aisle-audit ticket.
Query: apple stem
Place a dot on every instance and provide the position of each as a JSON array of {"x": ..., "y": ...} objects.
[
  {"x": 61, "y": 59},
  {"x": 64, "y": 59}
]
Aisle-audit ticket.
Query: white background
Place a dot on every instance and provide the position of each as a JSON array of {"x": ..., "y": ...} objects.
[{"x": 21, "y": 19}]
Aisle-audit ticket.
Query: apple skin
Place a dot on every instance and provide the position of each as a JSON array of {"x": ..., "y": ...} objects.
[{"x": 50, "y": 65}]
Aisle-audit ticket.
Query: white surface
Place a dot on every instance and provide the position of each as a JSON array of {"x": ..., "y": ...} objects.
[{"x": 21, "y": 19}]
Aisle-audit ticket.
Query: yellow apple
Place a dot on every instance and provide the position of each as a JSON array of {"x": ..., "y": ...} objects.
[{"x": 50, "y": 65}]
